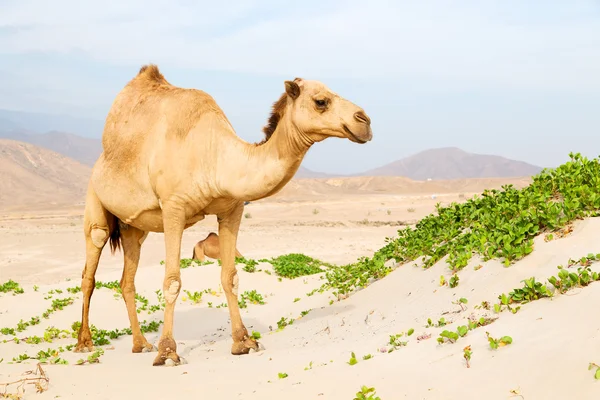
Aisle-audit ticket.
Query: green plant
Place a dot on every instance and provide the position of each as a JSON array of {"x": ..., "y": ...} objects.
[
  {"x": 366, "y": 393},
  {"x": 531, "y": 291},
  {"x": 251, "y": 296},
  {"x": 597, "y": 373},
  {"x": 283, "y": 322},
  {"x": 460, "y": 302},
  {"x": 474, "y": 324},
  {"x": 92, "y": 358},
  {"x": 449, "y": 336},
  {"x": 295, "y": 265},
  {"x": 249, "y": 264},
  {"x": 495, "y": 343},
  {"x": 353, "y": 359},
  {"x": 395, "y": 341},
  {"x": 454, "y": 279},
  {"x": 195, "y": 297},
  {"x": 467, "y": 352},
  {"x": 584, "y": 276},
  {"x": 11, "y": 286},
  {"x": 282, "y": 375}
]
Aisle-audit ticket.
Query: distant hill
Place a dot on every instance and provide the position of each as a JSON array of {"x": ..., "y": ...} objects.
[
  {"x": 305, "y": 173},
  {"x": 39, "y": 122},
  {"x": 35, "y": 178},
  {"x": 454, "y": 163},
  {"x": 85, "y": 150},
  {"x": 32, "y": 175}
]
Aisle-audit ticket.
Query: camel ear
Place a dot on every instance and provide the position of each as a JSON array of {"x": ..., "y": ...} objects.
[{"x": 292, "y": 89}]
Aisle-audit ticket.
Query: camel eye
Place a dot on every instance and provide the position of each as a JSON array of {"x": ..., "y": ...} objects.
[{"x": 321, "y": 103}]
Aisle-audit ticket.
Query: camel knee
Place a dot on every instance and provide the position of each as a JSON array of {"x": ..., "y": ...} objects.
[
  {"x": 172, "y": 291},
  {"x": 88, "y": 284},
  {"x": 236, "y": 284},
  {"x": 99, "y": 236},
  {"x": 231, "y": 283},
  {"x": 127, "y": 286}
]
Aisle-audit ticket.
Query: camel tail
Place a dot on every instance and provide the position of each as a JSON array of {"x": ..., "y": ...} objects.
[{"x": 115, "y": 237}]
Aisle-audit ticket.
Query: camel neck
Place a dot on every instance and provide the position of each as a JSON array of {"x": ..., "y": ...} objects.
[{"x": 265, "y": 169}]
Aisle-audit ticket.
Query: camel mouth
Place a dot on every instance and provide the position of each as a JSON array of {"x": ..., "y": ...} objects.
[{"x": 353, "y": 137}]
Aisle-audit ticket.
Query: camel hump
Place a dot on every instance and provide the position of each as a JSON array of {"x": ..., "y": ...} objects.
[{"x": 151, "y": 72}]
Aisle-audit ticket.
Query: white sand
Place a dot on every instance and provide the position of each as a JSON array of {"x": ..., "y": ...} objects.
[{"x": 554, "y": 339}]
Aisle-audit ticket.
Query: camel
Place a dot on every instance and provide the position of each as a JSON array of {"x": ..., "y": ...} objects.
[
  {"x": 209, "y": 247},
  {"x": 170, "y": 157}
]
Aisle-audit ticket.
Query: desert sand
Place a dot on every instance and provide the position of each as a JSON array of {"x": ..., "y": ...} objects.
[{"x": 554, "y": 340}]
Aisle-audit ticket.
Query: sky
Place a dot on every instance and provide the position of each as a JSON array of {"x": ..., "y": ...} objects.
[{"x": 515, "y": 78}]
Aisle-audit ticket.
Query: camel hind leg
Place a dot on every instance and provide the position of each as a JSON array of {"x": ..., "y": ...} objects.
[
  {"x": 99, "y": 226},
  {"x": 198, "y": 252},
  {"x": 131, "y": 240}
]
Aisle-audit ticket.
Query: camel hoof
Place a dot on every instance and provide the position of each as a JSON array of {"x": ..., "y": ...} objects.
[
  {"x": 146, "y": 348},
  {"x": 170, "y": 363},
  {"x": 261, "y": 347},
  {"x": 244, "y": 347},
  {"x": 167, "y": 351},
  {"x": 149, "y": 349},
  {"x": 84, "y": 349},
  {"x": 170, "y": 360}
]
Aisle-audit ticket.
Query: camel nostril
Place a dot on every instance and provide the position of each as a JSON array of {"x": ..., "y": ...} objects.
[{"x": 362, "y": 117}]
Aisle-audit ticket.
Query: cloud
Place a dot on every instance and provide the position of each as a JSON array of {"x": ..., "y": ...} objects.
[{"x": 507, "y": 43}]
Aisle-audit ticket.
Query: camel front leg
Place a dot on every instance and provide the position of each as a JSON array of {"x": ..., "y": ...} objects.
[
  {"x": 228, "y": 230},
  {"x": 174, "y": 224}
]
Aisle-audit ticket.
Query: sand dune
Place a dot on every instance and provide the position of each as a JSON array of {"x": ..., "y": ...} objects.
[{"x": 314, "y": 351}]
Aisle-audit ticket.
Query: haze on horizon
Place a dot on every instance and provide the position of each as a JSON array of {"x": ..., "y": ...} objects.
[{"x": 497, "y": 77}]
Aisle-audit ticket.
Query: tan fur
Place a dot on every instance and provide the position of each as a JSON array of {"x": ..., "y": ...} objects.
[
  {"x": 209, "y": 247},
  {"x": 170, "y": 157}
]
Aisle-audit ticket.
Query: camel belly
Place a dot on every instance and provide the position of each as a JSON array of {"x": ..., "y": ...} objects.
[
  {"x": 147, "y": 221},
  {"x": 152, "y": 220},
  {"x": 131, "y": 199}
]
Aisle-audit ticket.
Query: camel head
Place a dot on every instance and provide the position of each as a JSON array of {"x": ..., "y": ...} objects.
[{"x": 320, "y": 113}]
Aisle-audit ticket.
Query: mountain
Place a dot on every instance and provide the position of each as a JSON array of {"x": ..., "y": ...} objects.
[
  {"x": 305, "y": 173},
  {"x": 85, "y": 150},
  {"x": 454, "y": 163},
  {"x": 39, "y": 122},
  {"x": 32, "y": 176}
]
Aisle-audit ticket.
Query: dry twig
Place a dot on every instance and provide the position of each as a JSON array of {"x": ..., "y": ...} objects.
[{"x": 40, "y": 381}]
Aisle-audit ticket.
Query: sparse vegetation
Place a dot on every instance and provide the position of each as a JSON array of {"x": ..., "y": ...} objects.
[
  {"x": 597, "y": 373},
  {"x": 11, "y": 286},
  {"x": 295, "y": 265},
  {"x": 495, "y": 343},
  {"x": 467, "y": 353},
  {"x": 457, "y": 232},
  {"x": 498, "y": 224},
  {"x": 366, "y": 393}
]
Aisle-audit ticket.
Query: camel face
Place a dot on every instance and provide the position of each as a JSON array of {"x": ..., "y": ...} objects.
[{"x": 322, "y": 113}]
